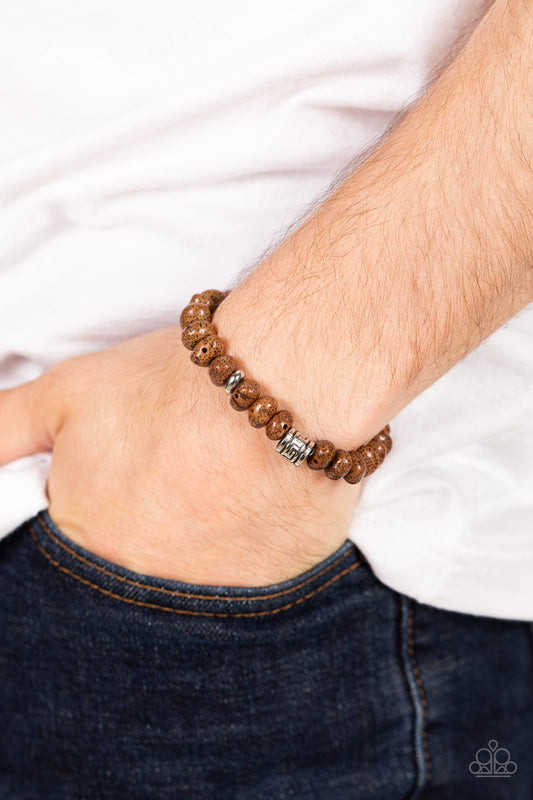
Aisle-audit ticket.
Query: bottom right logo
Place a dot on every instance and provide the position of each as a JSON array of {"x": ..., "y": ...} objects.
[{"x": 492, "y": 762}]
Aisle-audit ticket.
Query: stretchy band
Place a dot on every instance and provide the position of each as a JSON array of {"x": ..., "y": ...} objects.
[{"x": 208, "y": 350}]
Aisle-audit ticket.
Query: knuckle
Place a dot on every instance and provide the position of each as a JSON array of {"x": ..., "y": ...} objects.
[
  {"x": 57, "y": 389},
  {"x": 54, "y": 380}
]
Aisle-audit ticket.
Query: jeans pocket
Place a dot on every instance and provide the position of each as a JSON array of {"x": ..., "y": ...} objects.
[
  {"x": 180, "y": 598},
  {"x": 111, "y": 679}
]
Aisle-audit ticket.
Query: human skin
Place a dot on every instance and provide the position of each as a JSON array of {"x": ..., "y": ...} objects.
[{"x": 419, "y": 255}]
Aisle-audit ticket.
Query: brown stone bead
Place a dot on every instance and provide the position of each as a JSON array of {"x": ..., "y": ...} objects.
[
  {"x": 358, "y": 469},
  {"x": 192, "y": 334},
  {"x": 206, "y": 350},
  {"x": 385, "y": 440},
  {"x": 379, "y": 447},
  {"x": 215, "y": 297},
  {"x": 386, "y": 429},
  {"x": 341, "y": 464},
  {"x": 244, "y": 395},
  {"x": 195, "y": 312},
  {"x": 279, "y": 425},
  {"x": 372, "y": 459},
  {"x": 322, "y": 455},
  {"x": 202, "y": 298},
  {"x": 221, "y": 368},
  {"x": 262, "y": 411}
]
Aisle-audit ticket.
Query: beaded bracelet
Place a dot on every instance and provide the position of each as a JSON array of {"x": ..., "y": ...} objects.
[{"x": 208, "y": 350}]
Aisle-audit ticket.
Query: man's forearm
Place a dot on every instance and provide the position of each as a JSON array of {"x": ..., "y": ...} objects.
[{"x": 416, "y": 257}]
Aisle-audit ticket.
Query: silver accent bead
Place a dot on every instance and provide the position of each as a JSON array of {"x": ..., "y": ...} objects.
[
  {"x": 233, "y": 381},
  {"x": 295, "y": 447}
]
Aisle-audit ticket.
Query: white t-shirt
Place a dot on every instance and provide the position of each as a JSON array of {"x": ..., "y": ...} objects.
[{"x": 152, "y": 148}]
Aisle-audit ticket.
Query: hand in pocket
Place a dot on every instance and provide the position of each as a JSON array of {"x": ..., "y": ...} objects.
[{"x": 152, "y": 469}]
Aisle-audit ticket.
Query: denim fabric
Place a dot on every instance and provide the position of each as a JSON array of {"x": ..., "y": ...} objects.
[{"x": 328, "y": 686}]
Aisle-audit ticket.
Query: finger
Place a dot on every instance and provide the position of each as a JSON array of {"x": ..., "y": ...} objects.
[{"x": 27, "y": 420}]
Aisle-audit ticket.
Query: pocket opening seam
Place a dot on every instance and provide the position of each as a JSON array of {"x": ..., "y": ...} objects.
[
  {"x": 176, "y": 593},
  {"x": 190, "y": 612}
]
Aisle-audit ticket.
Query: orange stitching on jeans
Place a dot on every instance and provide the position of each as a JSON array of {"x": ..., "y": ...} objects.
[
  {"x": 418, "y": 679},
  {"x": 130, "y": 600},
  {"x": 130, "y": 582}
]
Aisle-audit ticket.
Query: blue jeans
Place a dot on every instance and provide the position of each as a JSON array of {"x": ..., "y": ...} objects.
[{"x": 329, "y": 686}]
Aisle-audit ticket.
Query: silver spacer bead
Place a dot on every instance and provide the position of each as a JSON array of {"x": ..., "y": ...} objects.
[
  {"x": 295, "y": 446},
  {"x": 233, "y": 381}
]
